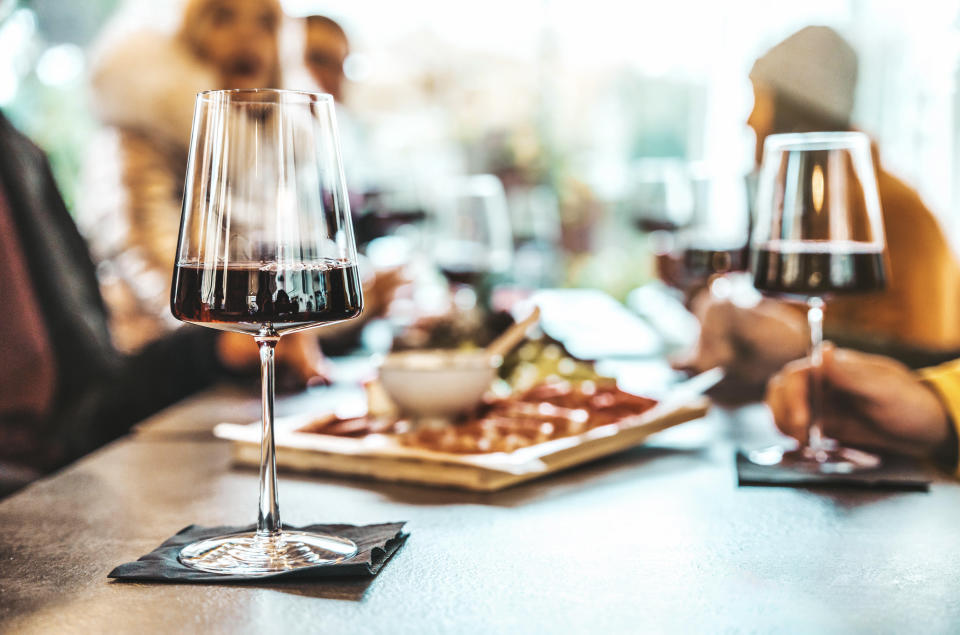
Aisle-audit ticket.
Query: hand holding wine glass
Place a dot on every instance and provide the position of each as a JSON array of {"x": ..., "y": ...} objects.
[
  {"x": 266, "y": 249},
  {"x": 819, "y": 232},
  {"x": 871, "y": 401}
]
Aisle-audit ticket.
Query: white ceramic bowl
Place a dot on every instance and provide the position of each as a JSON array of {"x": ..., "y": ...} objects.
[{"x": 437, "y": 383}]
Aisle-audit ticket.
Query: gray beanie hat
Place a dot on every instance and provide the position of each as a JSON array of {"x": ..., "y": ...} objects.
[{"x": 814, "y": 66}]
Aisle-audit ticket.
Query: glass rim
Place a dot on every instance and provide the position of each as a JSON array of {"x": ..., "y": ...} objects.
[
  {"x": 825, "y": 140},
  {"x": 236, "y": 95}
]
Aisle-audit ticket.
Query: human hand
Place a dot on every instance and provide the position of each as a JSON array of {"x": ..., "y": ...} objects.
[
  {"x": 868, "y": 400},
  {"x": 298, "y": 356},
  {"x": 750, "y": 343},
  {"x": 378, "y": 291}
]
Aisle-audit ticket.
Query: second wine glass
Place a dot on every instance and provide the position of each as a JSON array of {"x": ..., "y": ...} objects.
[
  {"x": 819, "y": 232},
  {"x": 472, "y": 241}
]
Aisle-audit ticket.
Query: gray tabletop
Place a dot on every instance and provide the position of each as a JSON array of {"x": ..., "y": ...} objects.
[{"x": 659, "y": 538}]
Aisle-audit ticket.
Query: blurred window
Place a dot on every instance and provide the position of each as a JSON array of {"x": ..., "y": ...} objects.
[{"x": 589, "y": 88}]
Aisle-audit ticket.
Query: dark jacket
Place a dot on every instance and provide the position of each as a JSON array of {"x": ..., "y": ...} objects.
[{"x": 99, "y": 392}]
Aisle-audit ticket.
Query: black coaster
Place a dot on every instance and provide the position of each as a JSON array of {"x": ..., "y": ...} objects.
[
  {"x": 896, "y": 473},
  {"x": 376, "y": 545}
]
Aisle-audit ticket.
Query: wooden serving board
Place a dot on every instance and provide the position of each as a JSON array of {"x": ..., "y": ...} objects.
[{"x": 383, "y": 457}]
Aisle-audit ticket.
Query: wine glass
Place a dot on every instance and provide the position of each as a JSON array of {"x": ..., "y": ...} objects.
[
  {"x": 714, "y": 244},
  {"x": 661, "y": 196},
  {"x": 535, "y": 225},
  {"x": 473, "y": 241},
  {"x": 266, "y": 248},
  {"x": 819, "y": 232}
]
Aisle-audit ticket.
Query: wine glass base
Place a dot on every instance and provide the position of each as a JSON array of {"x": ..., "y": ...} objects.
[
  {"x": 252, "y": 554},
  {"x": 833, "y": 460}
]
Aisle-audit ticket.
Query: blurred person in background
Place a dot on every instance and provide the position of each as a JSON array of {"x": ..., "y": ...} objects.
[
  {"x": 65, "y": 389},
  {"x": 804, "y": 84},
  {"x": 874, "y": 402},
  {"x": 143, "y": 88},
  {"x": 327, "y": 48}
]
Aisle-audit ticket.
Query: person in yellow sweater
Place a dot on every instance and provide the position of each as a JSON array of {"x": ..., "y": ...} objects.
[
  {"x": 874, "y": 402},
  {"x": 804, "y": 84}
]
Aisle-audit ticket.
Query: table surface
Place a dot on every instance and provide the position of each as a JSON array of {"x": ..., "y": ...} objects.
[{"x": 659, "y": 538}]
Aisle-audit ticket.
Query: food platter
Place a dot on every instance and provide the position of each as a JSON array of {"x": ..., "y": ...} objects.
[
  {"x": 550, "y": 410},
  {"x": 385, "y": 457}
]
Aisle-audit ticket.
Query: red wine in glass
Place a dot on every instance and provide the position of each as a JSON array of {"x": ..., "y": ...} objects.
[
  {"x": 649, "y": 224},
  {"x": 691, "y": 267},
  {"x": 462, "y": 273},
  {"x": 807, "y": 269},
  {"x": 707, "y": 261},
  {"x": 390, "y": 218},
  {"x": 251, "y": 297},
  {"x": 695, "y": 265}
]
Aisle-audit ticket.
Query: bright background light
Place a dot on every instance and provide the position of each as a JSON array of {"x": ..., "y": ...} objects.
[
  {"x": 601, "y": 88},
  {"x": 60, "y": 65}
]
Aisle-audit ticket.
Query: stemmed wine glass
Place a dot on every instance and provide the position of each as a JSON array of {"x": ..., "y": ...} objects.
[
  {"x": 266, "y": 248},
  {"x": 535, "y": 225},
  {"x": 714, "y": 244},
  {"x": 473, "y": 240},
  {"x": 819, "y": 232}
]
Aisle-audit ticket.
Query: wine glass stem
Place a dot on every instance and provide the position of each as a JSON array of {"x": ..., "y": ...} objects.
[
  {"x": 268, "y": 520},
  {"x": 815, "y": 310}
]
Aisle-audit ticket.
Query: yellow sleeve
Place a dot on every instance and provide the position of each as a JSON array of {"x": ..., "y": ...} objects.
[{"x": 945, "y": 381}]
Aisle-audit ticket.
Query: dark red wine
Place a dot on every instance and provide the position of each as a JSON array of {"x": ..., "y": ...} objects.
[
  {"x": 707, "y": 261},
  {"x": 817, "y": 268},
  {"x": 464, "y": 274},
  {"x": 383, "y": 222},
  {"x": 655, "y": 224},
  {"x": 693, "y": 266},
  {"x": 250, "y": 296},
  {"x": 392, "y": 218}
]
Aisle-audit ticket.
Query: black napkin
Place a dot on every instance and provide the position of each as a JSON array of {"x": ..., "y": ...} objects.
[
  {"x": 896, "y": 473},
  {"x": 376, "y": 544}
]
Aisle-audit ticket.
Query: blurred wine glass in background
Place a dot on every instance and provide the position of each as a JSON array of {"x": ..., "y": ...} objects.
[
  {"x": 714, "y": 242},
  {"x": 535, "y": 221},
  {"x": 661, "y": 195},
  {"x": 471, "y": 239}
]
